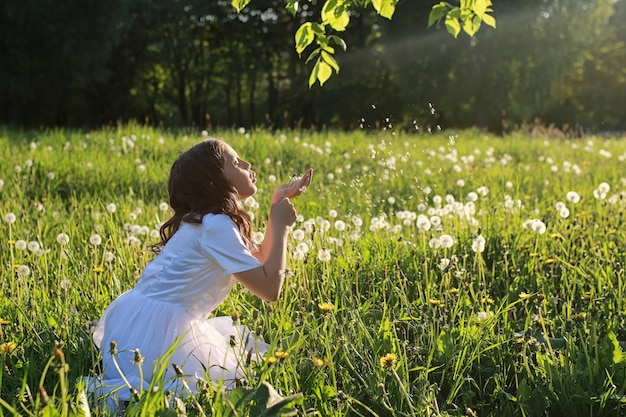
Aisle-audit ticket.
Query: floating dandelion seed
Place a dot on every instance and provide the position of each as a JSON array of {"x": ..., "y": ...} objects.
[{"x": 388, "y": 360}]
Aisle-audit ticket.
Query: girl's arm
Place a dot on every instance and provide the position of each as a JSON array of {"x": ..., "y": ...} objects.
[
  {"x": 290, "y": 190},
  {"x": 266, "y": 281}
]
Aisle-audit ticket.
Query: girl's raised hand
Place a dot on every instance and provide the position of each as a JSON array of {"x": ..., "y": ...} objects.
[{"x": 293, "y": 188}]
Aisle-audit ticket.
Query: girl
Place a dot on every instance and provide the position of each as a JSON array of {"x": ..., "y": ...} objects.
[{"x": 205, "y": 248}]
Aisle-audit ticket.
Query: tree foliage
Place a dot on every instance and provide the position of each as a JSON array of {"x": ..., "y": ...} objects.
[
  {"x": 335, "y": 17},
  {"x": 207, "y": 64}
]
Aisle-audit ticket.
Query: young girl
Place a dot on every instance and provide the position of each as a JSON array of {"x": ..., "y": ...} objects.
[{"x": 205, "y": 248}]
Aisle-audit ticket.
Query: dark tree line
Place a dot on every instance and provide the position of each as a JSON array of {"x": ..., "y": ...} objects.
[{"x": 200, "y": 63}]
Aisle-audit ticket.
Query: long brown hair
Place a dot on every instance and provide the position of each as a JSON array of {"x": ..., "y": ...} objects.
[{"x": 197, "y": 186}]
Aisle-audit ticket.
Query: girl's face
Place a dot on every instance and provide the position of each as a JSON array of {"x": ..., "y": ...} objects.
[{"x": 239, "y": 173}]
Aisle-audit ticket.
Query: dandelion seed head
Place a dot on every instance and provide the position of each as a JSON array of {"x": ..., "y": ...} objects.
[
  {"x": 95, "y": 239},
  {"x": 21, "y": 244},
  {"x": 63, "y": 239},
  {"x": 10, "y": 218},
  {"x": 33, "y": 246},
  {"x": 23, "y": 270},
  {"x": 478, "y": 245},
  {"x": 324, "y": 255}
]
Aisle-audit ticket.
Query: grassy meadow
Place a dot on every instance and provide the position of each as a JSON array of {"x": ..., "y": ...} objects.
[{"x": 448, "y": 274}]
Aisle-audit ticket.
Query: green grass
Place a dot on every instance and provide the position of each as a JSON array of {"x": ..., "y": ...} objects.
[{"x": 533, "y": 325}]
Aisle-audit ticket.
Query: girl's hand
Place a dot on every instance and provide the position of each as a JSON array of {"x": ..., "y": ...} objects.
[
  {"x": 283, "y": 212},
  {"x": 294, "y": 188}
]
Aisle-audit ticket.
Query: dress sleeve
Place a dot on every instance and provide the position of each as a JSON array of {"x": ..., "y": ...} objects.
[{"x": 222, "y": 241}]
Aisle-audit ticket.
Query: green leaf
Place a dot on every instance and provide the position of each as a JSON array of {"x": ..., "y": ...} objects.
[
  {"x": 339, "y": 41},
  {"x": 471, "y": 25},
  {"x": 266, "y": 401},
  {"x": 304, "y": 37},
  {"x": 436, "y": 13},
  {"x": 335, "y": 13},
  {"x": 385, "y": 8},
  {"x": 328, "y": 58},
  {"x": 291, "y": 6},
  {"x": 452, "y": 25},
  {"x": 489, "y": 20},
  {"x": 240, "y": 4},
  {"x": 324, "y": 72},
  {"x": 313, "y": 55},
  {"x": 480, "y": 7}
]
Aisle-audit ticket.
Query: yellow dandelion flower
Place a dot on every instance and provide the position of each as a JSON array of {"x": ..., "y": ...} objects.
[
  {"x": 281, "y": 355},
  {"x": 454, "y": 291},
  {"x": 98, "y": 269},
  {"x": 549, "y": 261},
  {"x": 326, "y": 307},
  {"x": 435, "y": 302},
  {"x": 3, "y": 321},
  {"x": 557, "y": 236},
  {"x": 524, "y": 296},
  {"x": 579, "y": 317},
  {"x": 318, "y": 362},
  {"x": 488, "y": 300},
  {"x": 11, "y": 242},
  {"x": 521, "y": 340},
  {"x": 388, "y": 360},
  {"x": 271, "y": 360},
  {"x": 7, "y": 347}
]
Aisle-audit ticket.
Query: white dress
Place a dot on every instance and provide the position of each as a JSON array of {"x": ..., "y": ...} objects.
[{"x": 165, "y": 315}]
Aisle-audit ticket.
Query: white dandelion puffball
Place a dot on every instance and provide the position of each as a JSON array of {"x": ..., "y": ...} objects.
[
  {"x": 23, "y": 270},
  {"x": 163, "y": 206},
  {"x": 340, "y": 225},
  {"x": 444, "y": 263},
  {"x": 9, "y": 218},
  {"x": 109, "y": 257},
  {"x": 298, "y": 234},
  {"x": 111, "y": 207},
  {"x": 478, "y": 245},
  {"x": 573, "y": 197},
  {"x": 324, "y": 255},
  {"x": 604, "y": 188},
  {"x": 95, "y": 239},
  {"x": 20, "y": 244},
  {"x": 33, "y": 246},
  {"x": 434, "y": 243},
  {"x": 63, "y": 239},
  {"x": 446, "y": 241},
  {"x": 303, "y": 247}
]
